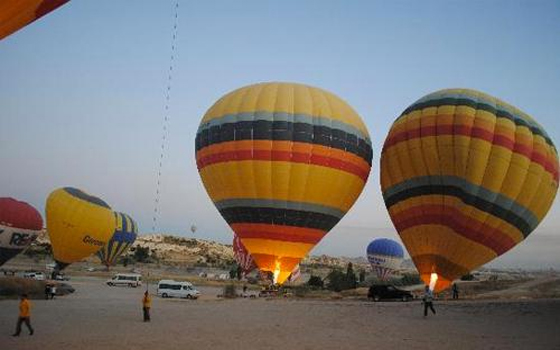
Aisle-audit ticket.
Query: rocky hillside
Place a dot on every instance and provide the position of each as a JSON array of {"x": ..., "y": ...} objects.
[{"x": 175, "y": 250}]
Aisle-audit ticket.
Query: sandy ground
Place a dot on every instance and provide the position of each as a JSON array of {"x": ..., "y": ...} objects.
[{"x": 102, "y": 317}]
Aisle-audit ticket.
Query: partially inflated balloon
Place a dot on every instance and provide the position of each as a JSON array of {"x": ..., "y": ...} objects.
[
  {"x": 20, "y": 224},
  {"x": 465, "y": 177},
  {"x": 282, "y": 163},
  {"x": 125, "y": 234},
  {"x": 78, "y": 224},
  {"x": 16, "y": 14},
  {"x": 385, "y": 257}
]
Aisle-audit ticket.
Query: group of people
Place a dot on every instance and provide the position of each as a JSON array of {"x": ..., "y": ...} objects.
[{"x": 50, "y": 291}]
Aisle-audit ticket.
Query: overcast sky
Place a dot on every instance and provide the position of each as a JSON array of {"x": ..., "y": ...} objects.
[{"x": 82, "y": 92}]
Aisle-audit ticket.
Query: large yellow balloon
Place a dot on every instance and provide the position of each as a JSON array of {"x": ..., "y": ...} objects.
[
  {"x": 465, "y": 177},
  {"x": 282, "y": 163},
  {"x": 78, "y": 224}
]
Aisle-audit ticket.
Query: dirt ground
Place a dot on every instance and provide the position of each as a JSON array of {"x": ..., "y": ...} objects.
[{"x": 101, "y": 317}]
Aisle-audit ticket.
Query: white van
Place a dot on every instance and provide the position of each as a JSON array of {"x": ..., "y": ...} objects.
[
  {"x": 171, "y": 288},
  {"x": 125, "y": 279},
  {"x": 38, "y": 276}
]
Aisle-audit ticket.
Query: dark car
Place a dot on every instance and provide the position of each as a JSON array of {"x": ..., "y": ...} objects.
[{"x": 384, "y": 292}]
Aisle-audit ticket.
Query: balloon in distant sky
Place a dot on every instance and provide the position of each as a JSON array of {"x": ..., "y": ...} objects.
[
  {"x": 16, "y": 14},
  {"x": 465, "y": 177},
  {"x": 20, "y": 224},
  {"x": 125, "y": 234},
  {"x": 283, "y": 163},
  {"x": 193, "y": 228},
  {"x": 242, "y": 256},
  {"x": 385, "y": 257},
  {"x": 78, "y": 224}
]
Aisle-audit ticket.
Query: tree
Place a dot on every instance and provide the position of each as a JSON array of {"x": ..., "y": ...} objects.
[
  {"x": 142, "y": 254},
  {"x": 315, "y": 282},
  {"x": 336, "y": 281},
  {"x": 233, "y": 272},
  {"x": 362, "y": 275},
  {"x": 351, "y": 280},
  {"x": 239, "y": 272}
]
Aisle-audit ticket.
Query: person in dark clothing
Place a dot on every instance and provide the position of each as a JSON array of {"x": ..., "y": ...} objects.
[
  {"x": 146, "y": 306},
  {"x": 455, "y": 291},
  {"x": 428, "y": 301},
  {"x": 47, "y": 291},
  {"x": 24, "y": 316}
]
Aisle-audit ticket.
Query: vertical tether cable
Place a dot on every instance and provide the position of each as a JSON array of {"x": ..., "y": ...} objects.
[{"x": 165, "y": 130}]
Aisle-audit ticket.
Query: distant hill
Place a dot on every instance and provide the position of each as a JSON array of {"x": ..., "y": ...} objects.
[{"x": 176, "y": 250}]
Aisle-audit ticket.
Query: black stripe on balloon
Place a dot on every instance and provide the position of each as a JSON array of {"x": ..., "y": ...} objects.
[
  {"x": 282, "y": 217},
  {"x": 499, "y": 113},
  {"x": 467, "y": 198},
  {"x": 86, "y": 197},
  {"x": 285, "y": 131}
]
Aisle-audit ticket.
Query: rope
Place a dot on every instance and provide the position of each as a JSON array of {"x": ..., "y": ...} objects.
[{"x": 165, "y": 131}]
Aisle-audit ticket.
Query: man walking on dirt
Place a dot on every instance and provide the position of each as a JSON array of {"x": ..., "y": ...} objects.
[
  {"x": 428, "y": 301},
  {"x": 146, "y": 305},
  {"x": 24, "y": 315}
]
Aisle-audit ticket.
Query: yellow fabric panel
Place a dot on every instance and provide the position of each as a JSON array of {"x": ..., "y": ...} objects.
[
  {"x": 286, "y": 97},
  {"x": 282, "y": 249},
  {"x": 442, "y": 241},
  {"x": 237, "y": 180},
  {"x": 77, "y": 228},
  {"x": 455, "y": 202}
]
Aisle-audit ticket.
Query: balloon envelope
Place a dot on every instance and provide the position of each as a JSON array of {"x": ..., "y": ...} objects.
[
  {"x": 385, "y": 256},
  {"x": 125, "y": 234},
  {"x": 20, "y": 224},
  {"x": 283, "y": 163},
  {"x": 78, "y": 224},
  {"x": 465, "y": 177},
  {"x": 16, "y": 14}
]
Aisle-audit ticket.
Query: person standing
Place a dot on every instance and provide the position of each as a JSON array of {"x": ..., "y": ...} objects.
[
  {"x": 53, "y": 291},
  {"x": 428, "y": 301},
  {"x": 455, "y": 291},
  {"x": 146, "y": 306},
  {"x": 24, "y": 316}
]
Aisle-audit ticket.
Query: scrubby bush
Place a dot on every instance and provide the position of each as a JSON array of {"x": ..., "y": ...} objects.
[
  {"x": 408, "y": 279},
  {"x": 230, "y": 291},
  {"x": 315, "y": 282}
]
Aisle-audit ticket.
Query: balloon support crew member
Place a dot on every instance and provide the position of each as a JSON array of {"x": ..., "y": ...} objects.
[
  {"x": 24, "y": 315},
  {"x": 428, "y": 301},
  {"x": 146, "y": 306}
]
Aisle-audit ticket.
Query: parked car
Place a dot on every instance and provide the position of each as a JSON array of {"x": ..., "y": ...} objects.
[
  {"x": 176, "y": 289},
  {"x": 385, "y": 292},
  {"x": 38, "y": 276},
  {"x": 125, "y": 279},
  {"x": 60, "y": 277}
]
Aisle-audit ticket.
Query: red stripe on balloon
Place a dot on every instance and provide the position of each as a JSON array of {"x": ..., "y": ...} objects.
[
  {"x": 548, "y": 163},
  {"x": 463, "y": 225},
  {"x": 283, "y": 156},
  {"x": 278, "y": 233}
]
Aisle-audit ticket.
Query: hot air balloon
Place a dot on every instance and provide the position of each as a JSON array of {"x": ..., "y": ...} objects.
[
  {"x": 295, "y": 275},
  {"x": 20, "y": 224},
  {"x": 242, "y": 256},
  {"x": 193, "y": 228},
  {"x": 78, "y": 224},
  {"x": 283, "y": 163},
  {"x": 465, "y": 178},
  {"x": 16, "y": 14},
  {"x": 125, "y": 234},
  {"x": 385, "y": 256}
]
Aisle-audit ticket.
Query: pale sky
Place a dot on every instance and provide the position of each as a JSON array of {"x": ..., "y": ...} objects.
[{"x": 82, "y": 92}]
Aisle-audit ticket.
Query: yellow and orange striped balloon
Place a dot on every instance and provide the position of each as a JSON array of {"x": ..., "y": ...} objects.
[
  {"x": 282, "y": 163},
  {"x": 465, "y": 177}
]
